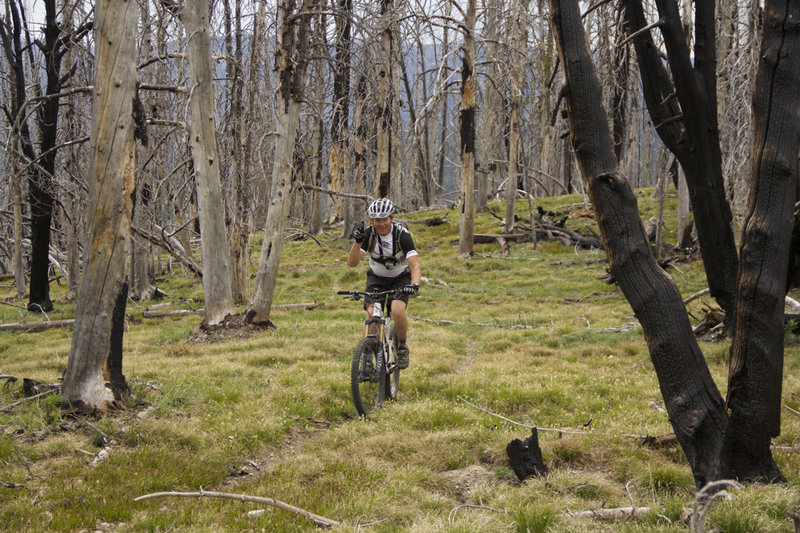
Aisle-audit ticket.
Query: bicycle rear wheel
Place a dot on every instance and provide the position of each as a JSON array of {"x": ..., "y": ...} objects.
[
  {"x": 393, "y": 377},
  {"x": 367, "y": 384}
]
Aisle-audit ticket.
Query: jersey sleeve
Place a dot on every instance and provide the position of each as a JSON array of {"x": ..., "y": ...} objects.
[{"x": 407, "y": 244}]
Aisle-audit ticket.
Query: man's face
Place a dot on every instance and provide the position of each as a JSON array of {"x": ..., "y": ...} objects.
[{"x": 382, "y": 225}]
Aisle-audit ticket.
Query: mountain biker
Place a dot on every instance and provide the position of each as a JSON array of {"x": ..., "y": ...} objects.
[{"x": 393, "y": 264}]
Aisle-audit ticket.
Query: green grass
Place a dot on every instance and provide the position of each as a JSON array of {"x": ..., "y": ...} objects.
[{"x": 271, "y": 415}]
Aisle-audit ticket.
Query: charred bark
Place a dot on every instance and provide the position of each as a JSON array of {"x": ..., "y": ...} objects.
[
  {"x": 694, "y": 403},
  {"x": 525, "y": 457},
  {"x": 683, "y": 107},
  {"x": 467, "y": 116},
  {"x": 756, "y": 367},
  {"x": 93, "y": 378}
]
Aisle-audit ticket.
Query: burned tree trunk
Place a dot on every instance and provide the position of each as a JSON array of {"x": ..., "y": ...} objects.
[
  {"x": 694, "y": 403},
  {"x": 338, "y": 161},
  {"x": 468, "y": 109},
  {"x": 683, "y": 108},
  {"x": 93, "y": 378},
  {"x": 385, "y": 101},
  {"x": 756, "y": 367},
  {"x": 525, "y": 457}
]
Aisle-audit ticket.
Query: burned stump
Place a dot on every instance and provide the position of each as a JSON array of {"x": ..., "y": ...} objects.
[{"x": 525, "y": 457}]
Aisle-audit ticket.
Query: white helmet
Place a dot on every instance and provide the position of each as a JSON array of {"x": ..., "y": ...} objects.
[{"x": 380, "y": 208}]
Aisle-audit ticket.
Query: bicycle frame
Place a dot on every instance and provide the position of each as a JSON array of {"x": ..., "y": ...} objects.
[
  {"x": 383, "y": 371},
  {"x": 382, "y": 340}
]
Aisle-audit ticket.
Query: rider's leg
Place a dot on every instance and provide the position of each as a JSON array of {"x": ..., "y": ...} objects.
[
  {"x": 371, "y": 328},
  {"x": 401, "y": 331},
  {"x": 400, "y": 319}
]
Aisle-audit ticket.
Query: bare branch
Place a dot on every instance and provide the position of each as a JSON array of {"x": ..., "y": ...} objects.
[{"x": 317, "y": 519}]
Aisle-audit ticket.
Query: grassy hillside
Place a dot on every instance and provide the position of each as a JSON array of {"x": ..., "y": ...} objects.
[{"x": 538, "y": 338}]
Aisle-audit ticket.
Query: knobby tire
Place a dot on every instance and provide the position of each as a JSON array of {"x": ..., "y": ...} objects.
[{"x": 367, "y": 395}]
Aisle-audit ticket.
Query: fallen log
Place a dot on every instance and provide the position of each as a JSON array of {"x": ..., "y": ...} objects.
[
  {"x": 483, "y": 238},
  {"x": 172, "y": 246},
  {"x": 149, "y": 313},
  {"x": 34, "y": 327},
  {"x": 609, "y": 515}
]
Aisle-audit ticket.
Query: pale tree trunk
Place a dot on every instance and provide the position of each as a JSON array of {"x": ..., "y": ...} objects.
[
  {"x": 684, "y": 218},
  {"x": 290, "y": 64},
  {"x": 425, "y": 147},
  {"x": 317, "y": 126},
  {"x": 385, "y": 98},
  {"x": 214, "y": 244},
  {"x": 516, "y": 103},
  {"x": 142, "y": 289},
  {"x": 493, "y": 109},
  {"x": 245, "y": 197},
  {"x": 93, "y": 378},
  {"x": 338, "y": 162},
  {"x": 19, "y": 263},
  {"x": 468, "y": 111},
  {"x": 359, "y": 179},
  {"x": 444, "y": 118},
  {"x": 238, "y": 174}
]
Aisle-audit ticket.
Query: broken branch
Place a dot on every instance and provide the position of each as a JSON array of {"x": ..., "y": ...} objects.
[{"x": 317, "y": 519}]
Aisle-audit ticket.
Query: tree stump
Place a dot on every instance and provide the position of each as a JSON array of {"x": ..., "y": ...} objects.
[{"x": 525, "y": 457}]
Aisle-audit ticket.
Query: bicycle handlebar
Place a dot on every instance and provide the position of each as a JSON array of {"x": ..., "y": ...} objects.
[{"x": 356, "y": 295}]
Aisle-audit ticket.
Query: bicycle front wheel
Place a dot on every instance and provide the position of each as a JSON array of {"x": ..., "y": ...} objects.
[
  {"x": 367, "y": 379},
  {"x": 393, "y": 376}
]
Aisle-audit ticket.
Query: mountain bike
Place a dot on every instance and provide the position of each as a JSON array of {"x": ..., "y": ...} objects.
[{"x": 374, "y": 374}]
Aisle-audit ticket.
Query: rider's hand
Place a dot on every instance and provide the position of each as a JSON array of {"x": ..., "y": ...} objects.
[
  {"x": 358, "y": 232},
  {"x": 411, "y": 289}
]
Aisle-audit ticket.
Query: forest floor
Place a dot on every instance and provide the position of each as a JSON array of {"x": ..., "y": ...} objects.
[{"x": 537, "y": 338}]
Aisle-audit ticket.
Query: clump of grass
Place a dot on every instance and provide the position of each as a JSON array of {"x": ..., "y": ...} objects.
[{"x": 534, "y": 518}]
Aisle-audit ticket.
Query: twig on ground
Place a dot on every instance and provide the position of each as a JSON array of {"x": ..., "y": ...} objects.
[
  {"x": 794, "y": 411},
  {"x": 11, "y": 406},
  {"x": 317, "y": 519},
  {"x": 359, "y": 525},
  {"x": 13, "y": 305},
  {"x": 553, "y": 430},
  {"x": 643, "y": 439},
  {"x": 696, "y": 295},
  {"x": 455, "y": 510},
  {"x": 609, "y": 515},
  {"x": 705, "y": 498},
  {"x": 100, "y": 432},
  {"x": 299, "y": 231},
  {"x": 454, "y": 323}
]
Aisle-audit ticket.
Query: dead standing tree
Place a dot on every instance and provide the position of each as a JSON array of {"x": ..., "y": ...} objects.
[
  {"x": 40, "y": 168},
  {"x": 467, "y": 116},
  {"x": 94, "y": 378},
  {"x": 385, "y": 100},
  {"x": 291, "y": 59},
  {"x": 682, "y": 103},
  {"x": 717, "y": 445},
  {"x": 214, "y": 245}
]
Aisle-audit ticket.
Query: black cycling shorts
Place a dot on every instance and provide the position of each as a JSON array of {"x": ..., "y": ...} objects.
[{"x": 379, "y": 283}]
